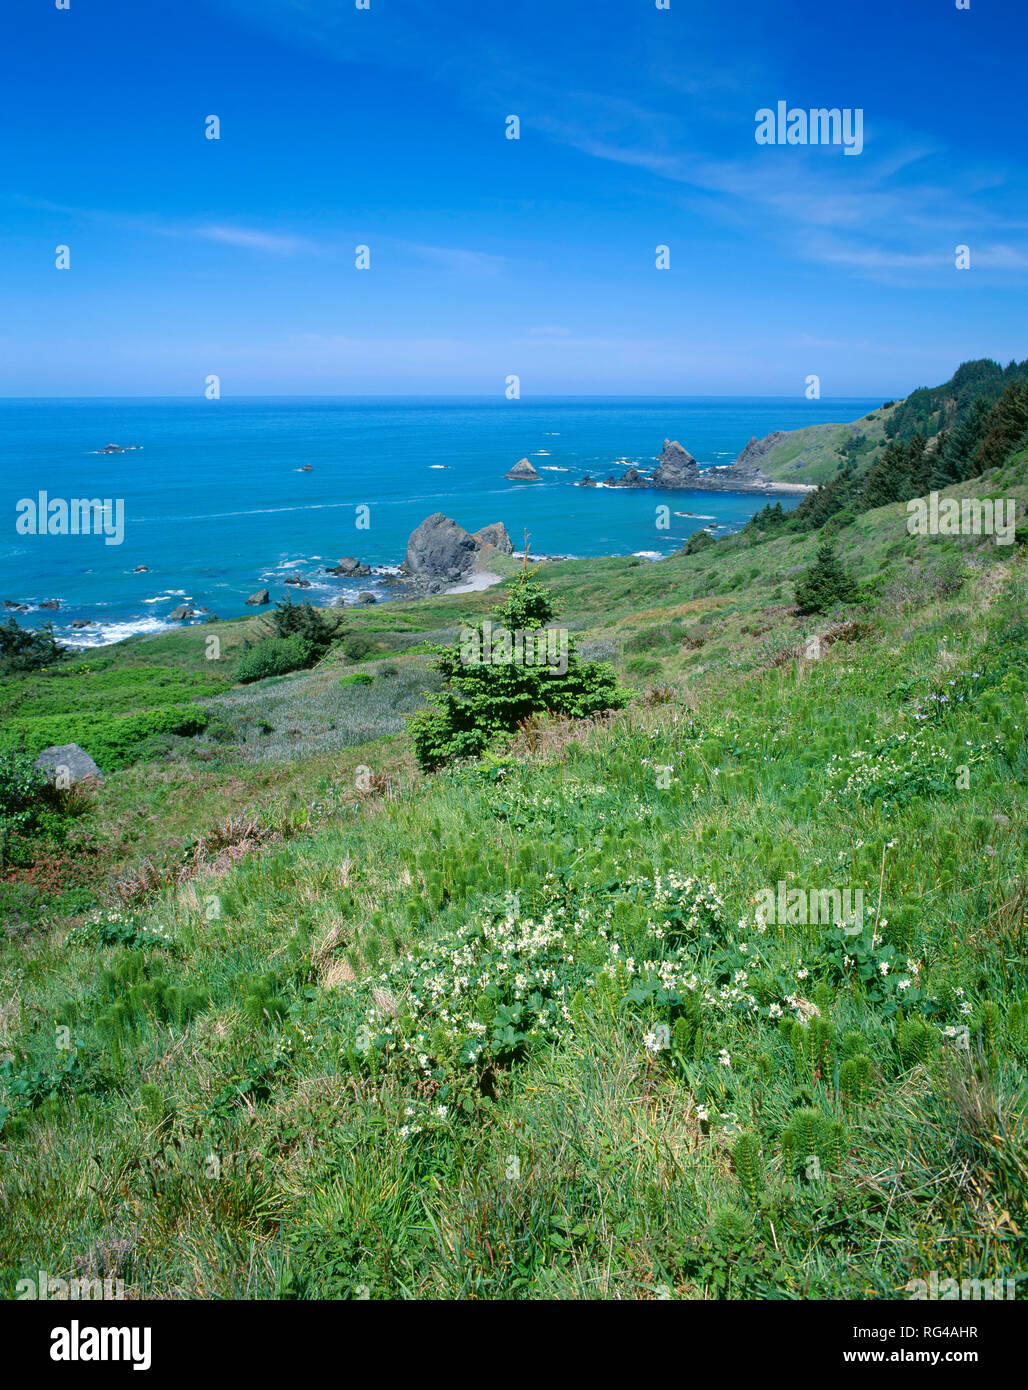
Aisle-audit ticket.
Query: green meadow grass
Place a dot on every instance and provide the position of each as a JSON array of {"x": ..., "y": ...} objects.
[{"x": 520, "y": 1029}]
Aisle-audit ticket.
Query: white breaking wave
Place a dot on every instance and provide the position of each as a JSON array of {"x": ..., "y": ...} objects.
[{"x": 103, "y": 634}]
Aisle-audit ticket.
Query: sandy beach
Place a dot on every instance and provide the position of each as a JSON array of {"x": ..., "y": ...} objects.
[{"x": 485, "y": 579}]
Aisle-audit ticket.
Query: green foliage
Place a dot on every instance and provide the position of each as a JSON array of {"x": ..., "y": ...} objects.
[
  {"x": 275, "y": 656},
  {"x": 481, "y": 702},
  {"x": 314, "y": 626},
  {"x": 29, "y": 805},
  {"x": 749, "y": 1166},
  {"x": 699, "y": 540},
  {"x": 263, "y": 998},
  {"x": 824, "y": 584},
  {"x": 904, "y": 767},
  {"x": 659, "y": 1065},
  {"x": 22, "y": 786},
  {"x": 357, "y": 646},
  {"x": 813, "y": 1142},
  {"x": 812, "y": 1048},
  {"x": 930, "y": 410},
  {"x": 28, "y": 649},
  {"x": 856, "y": 1077},
  {"x": 641, "y": 668},
  {"x": 650, "y": 639},
  {"x": 133, "y": 993},
  {"x": 112, "y": 929},
  {"x": 729, "y": 1260},
  {"x": 357, "y": 678},
  {"x": 915, "y": 1040},
  {"x": 111, "y": 741}
]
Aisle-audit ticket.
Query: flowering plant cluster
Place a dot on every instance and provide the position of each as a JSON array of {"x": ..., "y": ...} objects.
[
  {"x": 906, "y": 766},
  {"x": 111, "y": 929},
  {"x": 502, "y": 984}
]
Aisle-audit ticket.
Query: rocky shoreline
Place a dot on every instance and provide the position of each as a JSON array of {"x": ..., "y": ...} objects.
[
  {"x": 678, "y": 471},
  {"x": 443, "y": 557}
]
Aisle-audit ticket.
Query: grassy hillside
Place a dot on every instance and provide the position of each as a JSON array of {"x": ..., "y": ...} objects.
[
  {"x": 815, "y": 454},
  {"x": 286, "y": 1018}
]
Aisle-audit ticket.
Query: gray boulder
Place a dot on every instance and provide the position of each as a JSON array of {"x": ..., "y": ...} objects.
[
  {"x": 180, "y": 613},
  {"x": 348, "y": 567},
  {"x": 258, "y": 599},
  {"x": 523, "y": 472},
  {"x": 366, "y": 596},
  {"x": 66, "y": 763},
  {"x": 440, "y": 550}
]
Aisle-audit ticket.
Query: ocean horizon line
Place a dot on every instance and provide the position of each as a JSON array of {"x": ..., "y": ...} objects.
[{"x": 482, "y": 398}]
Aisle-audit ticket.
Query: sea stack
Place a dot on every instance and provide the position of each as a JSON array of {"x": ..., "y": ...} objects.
[
  {"x": 441, "y": 552},
  {"x": 632, "y": 478},
  {"x": 494, "y": 537},
  {"x": 523, "y": 472},
  {"x": 676, "y": 467}
]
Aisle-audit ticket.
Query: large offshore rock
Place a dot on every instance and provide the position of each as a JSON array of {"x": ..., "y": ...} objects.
[
  {"x": 676, "y": 467},
  {"x": 440, "y": 549},
  {"x": 523, "y": 472}
]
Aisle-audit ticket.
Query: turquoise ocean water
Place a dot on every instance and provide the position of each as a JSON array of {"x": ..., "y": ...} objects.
[{"x": 217, "y": 505}]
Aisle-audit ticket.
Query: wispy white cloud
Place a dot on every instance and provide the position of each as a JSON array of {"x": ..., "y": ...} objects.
[
  {"x": 253, "y": 239},
  {"x": 455, "y": 258}
]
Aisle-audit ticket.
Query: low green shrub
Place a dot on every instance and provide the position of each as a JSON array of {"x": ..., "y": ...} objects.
[
  {"x": 112, "y": 742},
  {"x": 27, "y": 649},
  {"x": 642, "y": 667},
  {"x": 275, "y": 656},
  {"x": 649, "y": 639}
]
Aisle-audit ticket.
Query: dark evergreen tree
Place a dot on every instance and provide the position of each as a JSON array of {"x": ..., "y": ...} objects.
[
  {"x": 889, "y": 479},
  {"x": 27, "y": 649},
  {"x": 484, "y": 698},
  {"x": 954, "y": 458},
  {"x": 824, "y": 584},
  {"x": 1006, "y": 430}
]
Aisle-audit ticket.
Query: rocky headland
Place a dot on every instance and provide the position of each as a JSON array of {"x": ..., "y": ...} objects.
[{"x": 677, "y": 470}]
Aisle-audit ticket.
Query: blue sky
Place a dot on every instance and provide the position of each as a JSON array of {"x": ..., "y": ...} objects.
[{"x": 385, "y": 127}]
